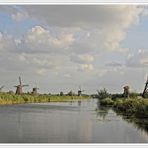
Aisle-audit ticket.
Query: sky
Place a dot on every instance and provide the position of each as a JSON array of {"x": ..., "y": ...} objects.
[{"x": 61, "y": 47}]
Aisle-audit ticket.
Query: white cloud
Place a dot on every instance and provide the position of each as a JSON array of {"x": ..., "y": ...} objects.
[
  {"x": 100, "y": 72},
  {"x": 22, "y": 57},
  {"x": 41, "y": 72},
  {"x": 19, "y": 16},
  {"x": 74, "y": 36},
  {"x": 99, "y": 41},
  {"x": 84, "y": 62},
  {"x": 45, "y": 61},
  {"x": 86, "y": 67},
  {"x": 17, "y": 41},
  {"x": 67, "y": 75},
  {"x": 85, "y": 16},
  {"x": 139, "y": 59},
  {"x": 144, "y": 61},
  {"x": 103, "y": 27},
  {"x": 82, "y": 59},
  {"x": 15, "y": 12},
  {"x": 39, "y": 39},
  {"x": 114, "y": 64},
  {"x": 7, "y": 43}
]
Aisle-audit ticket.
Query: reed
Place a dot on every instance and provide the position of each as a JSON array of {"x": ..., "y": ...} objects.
[
  {"x": 6, "y": 98},
  {"x": 136, "y": 107}
]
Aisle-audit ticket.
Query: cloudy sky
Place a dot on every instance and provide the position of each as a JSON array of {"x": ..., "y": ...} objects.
[{"x": 59, "y": 47}]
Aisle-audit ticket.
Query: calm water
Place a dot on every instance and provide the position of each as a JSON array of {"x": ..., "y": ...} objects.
[{"x": 65, "y": 123}]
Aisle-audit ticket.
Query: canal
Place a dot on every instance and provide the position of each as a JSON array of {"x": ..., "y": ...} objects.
[{"x": 66, "y": 122}]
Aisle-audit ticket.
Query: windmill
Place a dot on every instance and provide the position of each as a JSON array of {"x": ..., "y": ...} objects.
[
  {"x": 80, "y": 91},
  {"x": 126, "y": 91},
  {"x": 1, "y": 88},
  {"x": 19, "y": 87},
  {"x": 145, "y": 88},
  {"x": 34, "y": 90}
]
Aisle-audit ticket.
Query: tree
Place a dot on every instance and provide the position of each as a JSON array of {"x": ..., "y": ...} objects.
[
  {"x": 102, "y": 94},
  {"x": 61, "y": 93},
  {"x": 70, "y": 93}
]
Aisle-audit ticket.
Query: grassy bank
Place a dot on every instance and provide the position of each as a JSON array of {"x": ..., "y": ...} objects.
[
  {"x": 135, "y": 107},
  {"x": 133, "y": 110},
  {"x": 6, "y": 98}
]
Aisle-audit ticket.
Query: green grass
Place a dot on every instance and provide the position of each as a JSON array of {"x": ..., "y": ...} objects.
[
  {"x": 136, "y": 107},
  {"x": 133, "y": 107},
  {"x": 6, "y": 98},
  {"x": 106, "y": 102}
]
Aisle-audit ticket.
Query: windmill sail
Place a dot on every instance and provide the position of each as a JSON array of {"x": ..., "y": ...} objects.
[
  {"x": 145, "y": 88},
  {"x": 1, "y": 88},
  {"x": 20, "y": 81},
  {"x": 25, "y": 85}
]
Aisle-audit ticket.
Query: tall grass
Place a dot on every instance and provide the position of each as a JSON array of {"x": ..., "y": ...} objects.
[
  {"x": 6, "y": 98},
  {"x": 106, "y": 102},
  {"x": 136, "y": 107},
  {"x": 102, "y": 94}
]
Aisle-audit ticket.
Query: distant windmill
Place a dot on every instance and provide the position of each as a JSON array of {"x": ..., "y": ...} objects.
[
  {"x": 19, "y": 87},
  {"x": 145, "y": 88},
  {"x": 126, "y": 91},
  {"x": 34, "y": 90},
  {"x": 80, "y": 91},
  {"x": 1, "y": 88}
]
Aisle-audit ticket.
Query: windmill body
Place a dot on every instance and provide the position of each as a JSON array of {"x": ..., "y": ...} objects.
[
  {"x": 80, "y": 91},
  {"x": 126, "y": 91},
  {"x": 34, "y": 90},
  {"x": 19, "y": 88}
]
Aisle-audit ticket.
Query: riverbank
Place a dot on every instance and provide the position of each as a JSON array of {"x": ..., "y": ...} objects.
[
  {"x": 6, "y": 98},
  {"x": 133, "y": 110},
  {"x": 133, "y": 107}
]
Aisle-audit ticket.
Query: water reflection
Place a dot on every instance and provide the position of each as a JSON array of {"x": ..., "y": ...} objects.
[
  {"x": 67, "y": 122},
  {"x": 101, "y": 112},
  {"x": 139, "y": 123},
  {"x": 70, "y": 102},
  {"x": 79, "y": 102}
]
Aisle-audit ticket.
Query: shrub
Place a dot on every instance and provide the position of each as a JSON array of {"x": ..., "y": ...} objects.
[
  {"x": 145, "y": 95},
  {"x": 70, "y": 93},
  {"x": 115, "y": 96},
  {"x": 102, "y": 94},
  {"x": 134, "y": 107},
  {"x": 133, "y": 95},
  {"x": 61, "y": 93},
  {"x": 106, "y": 102},
  {"x": 118, "y": 102}
]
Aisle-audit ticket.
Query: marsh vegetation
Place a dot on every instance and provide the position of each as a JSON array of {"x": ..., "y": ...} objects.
[
  {"x": 7, "y": 98},
  {"x": 133, "y": 109}
]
